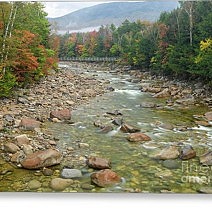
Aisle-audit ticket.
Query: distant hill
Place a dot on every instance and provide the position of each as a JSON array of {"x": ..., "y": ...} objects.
[{"x": 115, "y": 12}]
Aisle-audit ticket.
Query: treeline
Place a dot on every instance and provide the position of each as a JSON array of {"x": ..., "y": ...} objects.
[
  {"x": 178, "y": 44},
  {"x": 25, "y": 53}
]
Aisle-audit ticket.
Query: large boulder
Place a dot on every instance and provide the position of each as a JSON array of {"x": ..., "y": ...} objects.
[
  {"x": 206, "y": 159},
  {"x": 105, "y": 178},
  {"x": 98, "y": 163},
  {"x": 64, "y": 114},
  {"x": 170, "y": 152},
  {"x": 138, "y": 137},
  {"x": 42, "y": 159},
  {"x": 29, "y": 124}
]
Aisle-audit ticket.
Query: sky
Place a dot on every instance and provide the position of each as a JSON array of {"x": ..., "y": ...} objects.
[{"x": 57, "y": 9}]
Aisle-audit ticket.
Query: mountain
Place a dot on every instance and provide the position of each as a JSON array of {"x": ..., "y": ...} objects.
[{"x": 114, "y": 12}]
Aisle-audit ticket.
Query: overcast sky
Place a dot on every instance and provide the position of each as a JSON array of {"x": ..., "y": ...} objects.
[{"x": 57, "y": 9}]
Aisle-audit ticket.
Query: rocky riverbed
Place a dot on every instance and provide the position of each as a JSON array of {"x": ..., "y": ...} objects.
[{"x": 27, "y": 144}]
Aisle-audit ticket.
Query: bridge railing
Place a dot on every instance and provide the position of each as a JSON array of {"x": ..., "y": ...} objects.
[{"x": 89, "y": 59}]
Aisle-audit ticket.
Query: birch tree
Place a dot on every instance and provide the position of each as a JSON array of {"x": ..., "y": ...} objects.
[{"x": 7, "y": 33}]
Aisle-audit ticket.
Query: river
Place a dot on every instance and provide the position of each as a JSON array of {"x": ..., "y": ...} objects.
[{"x": 132, "y": 161}]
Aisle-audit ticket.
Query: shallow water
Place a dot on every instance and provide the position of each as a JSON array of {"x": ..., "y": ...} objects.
[{"x": 131, "y": 161}]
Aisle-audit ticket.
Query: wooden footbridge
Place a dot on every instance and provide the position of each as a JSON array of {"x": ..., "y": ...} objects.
[{"x": 89, "y": 59}]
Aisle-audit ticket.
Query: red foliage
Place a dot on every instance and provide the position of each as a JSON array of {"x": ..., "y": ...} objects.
[
  {"x": 163, "y": 29},
  {"x": 25, "y": 61}
]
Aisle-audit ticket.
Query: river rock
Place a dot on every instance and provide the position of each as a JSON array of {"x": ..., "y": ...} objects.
[
  {"x": 47, "y": 171},
  {"x": 187, "y": 152},
  {"x": 186, "y": 101},
  {"x": 117, "y": 122},
  {"x": 171, "y": 164},
  {"x": 138, "y": 137},
  {"x": 126, "y": 128},
  {"x": 71, "y": 173},
  {"x": 205, "y": 190},
  {"x": 29, "y": 124},
  {"x": 22, "y": 100},
  {"x": 64, "y": 114},
  {"x": 34, "y": 184},
  {"x": 41, "y": 159},
  {"x": 106, "y": 129},
  {"x": 208, "y": 116},
  {"x": 151, "y": 89},
  {"x": 167, "y": 126},
  {"x": 1, "y": 127},
  {"x": 203, "y": 123},
  {"x": 22, "y": 139},
  {"x": 105, "y": 178},
  {"x": 115, "y": 113},
  {"x": 11, "y": 147},
  {"x": 163, "y": 94},
  {"x": 206, "y": 159},
  {"x": 98, "y": 163},
  {"x": 28, "y": 149},
  {"x": 59, "y": 184},
  {"x": 170, "y": 152},
  {"x": 17, "y": 157},
  {"x": 148, "y": 105}
]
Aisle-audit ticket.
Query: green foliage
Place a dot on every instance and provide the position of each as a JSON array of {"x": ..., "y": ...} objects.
[
  {"x": 7, "y": 83},
  {"x": 25, "y": 55},
  {"x": 178, "y": 44}
]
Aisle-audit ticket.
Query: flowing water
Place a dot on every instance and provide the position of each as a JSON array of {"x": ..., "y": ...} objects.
[{"x": 132, "y": 161}]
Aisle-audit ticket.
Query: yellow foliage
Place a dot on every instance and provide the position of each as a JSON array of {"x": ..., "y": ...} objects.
[{"x": 204, "y": 45}]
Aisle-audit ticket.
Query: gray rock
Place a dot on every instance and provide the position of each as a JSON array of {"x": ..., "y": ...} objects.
[
  {"x": 206, "y": 158},
  {"x": 34, "y": 184},
  {"x": 170, "y": 152},
  {"x": 27, "y": 149},
  {"x": 205, "y": 190},
  {"x": 171, "y": 164},
  {"x": 22, "y": 139},
  {"x": 11, "y": 147},
  {"x": 187, "y": 152},
  {"x": 22, "y": 100},
  {"x": 71, "y": 173}
]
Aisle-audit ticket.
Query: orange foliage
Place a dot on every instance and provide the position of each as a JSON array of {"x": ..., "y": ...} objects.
[{"x": 25, "y": 61}]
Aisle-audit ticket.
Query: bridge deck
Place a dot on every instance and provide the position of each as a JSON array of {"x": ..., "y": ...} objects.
[{"x": 89, "y": 59}]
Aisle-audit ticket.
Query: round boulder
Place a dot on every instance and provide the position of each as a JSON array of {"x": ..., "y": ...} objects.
[{"x": 105, "y": 178}]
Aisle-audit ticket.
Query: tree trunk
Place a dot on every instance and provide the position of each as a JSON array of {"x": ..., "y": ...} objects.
[
  {"x": 189, "y": 10},
  {"x": 8, "y": 34}
]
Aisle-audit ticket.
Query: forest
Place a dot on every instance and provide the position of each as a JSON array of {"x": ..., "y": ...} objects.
[
  {"x": 26, "y": 52},
  {"x": 179, "y": 44}
]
